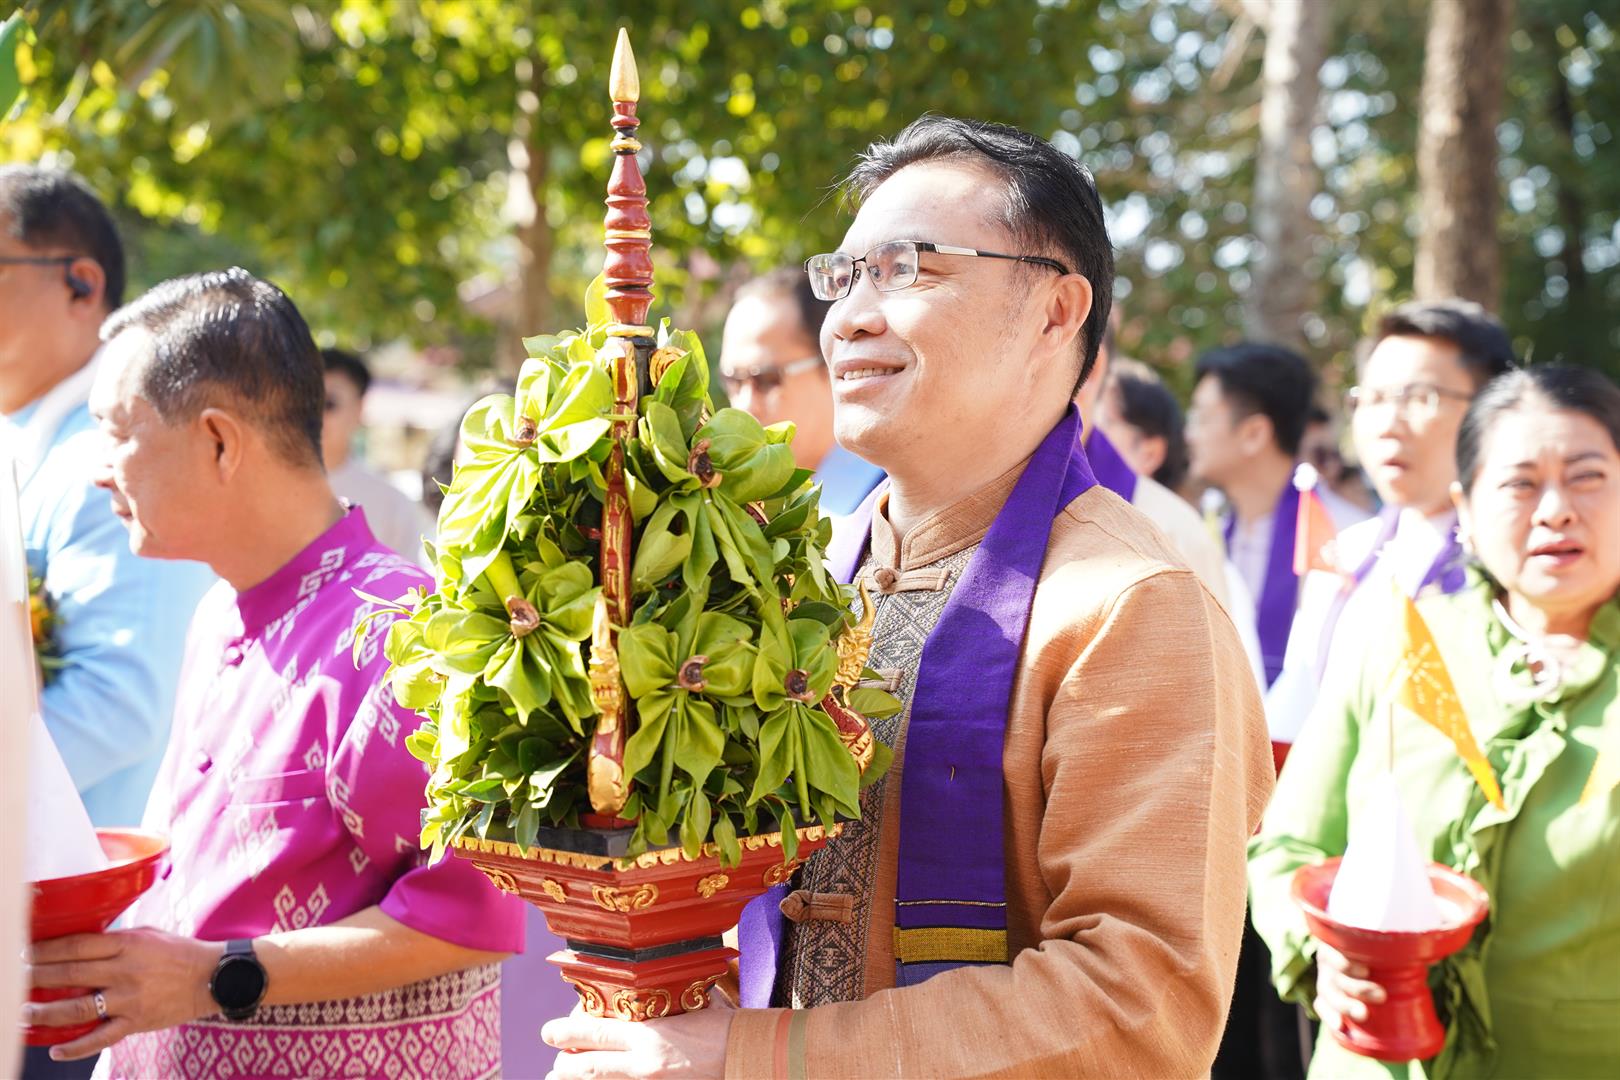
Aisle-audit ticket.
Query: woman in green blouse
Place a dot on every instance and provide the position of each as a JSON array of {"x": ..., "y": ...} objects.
[{"x": 1531, "y": 646}]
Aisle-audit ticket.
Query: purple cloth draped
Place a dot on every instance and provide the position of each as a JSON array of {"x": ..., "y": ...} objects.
[
  {"x": 1274, "y": 607},
  {"x": 949, "y": 876},
  {"x": 1108, "y": 467},
  {"x": 1447, "y": 571}
]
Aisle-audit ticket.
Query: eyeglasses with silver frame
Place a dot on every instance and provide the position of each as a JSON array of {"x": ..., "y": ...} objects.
[
  {"x": 893, "y": 266},
  {"x": 1414, "y": 400}
]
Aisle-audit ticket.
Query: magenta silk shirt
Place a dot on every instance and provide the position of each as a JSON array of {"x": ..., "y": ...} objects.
[{"x": 291, "y": 801}]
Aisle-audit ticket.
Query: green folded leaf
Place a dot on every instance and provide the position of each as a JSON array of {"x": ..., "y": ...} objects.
[
  {"x": 660, "y": 550},
  {"x": 750, "y": 465},
  {"x": 596, "y": 308},
  {"x": 872, "y": 703},
  {"x": 648, "y": 738},
  {"x": 776, "y": 759},
  {"x": 647, "y": 659},
  {"x": 701, "y": 742}
]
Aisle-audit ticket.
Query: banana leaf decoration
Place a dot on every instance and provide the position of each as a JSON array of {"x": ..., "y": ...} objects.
[
  {"x": 559, "y": 415},
  {"x": 734, "y": 637},
  {"x": 681, "y": 682},
  {"x": 798, "y": 740}
]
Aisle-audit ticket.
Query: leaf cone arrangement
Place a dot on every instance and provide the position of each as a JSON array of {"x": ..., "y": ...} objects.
[{"x": 711, "y": 696}]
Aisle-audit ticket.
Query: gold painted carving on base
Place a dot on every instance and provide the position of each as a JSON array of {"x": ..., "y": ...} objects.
[
  {"x": 696, "y": 996},
  {"x": 589, "y": 996},
  {"x": 776, "y": 873},
  {"x": 613, "y": 898},
  {"x": 499, "y": 878},
  {"x": 712, "y": 884},
  {"x": 641, "y": 1005}
]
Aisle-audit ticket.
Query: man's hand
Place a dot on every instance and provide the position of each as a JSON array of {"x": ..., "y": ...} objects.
[
  {"x": 689, "y": 1045},
  {"x": 1344, "y": 988},
  {"x": 149, "y": 980}
]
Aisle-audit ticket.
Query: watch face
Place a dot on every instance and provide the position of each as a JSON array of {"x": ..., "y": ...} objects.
[{"x": 238, "y": 983}]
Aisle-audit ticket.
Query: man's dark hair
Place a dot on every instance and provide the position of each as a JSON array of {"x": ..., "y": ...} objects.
[
  {"x": 350, "y": 366},
  {"x": 1482, "y": 343},
  {"x": 49, "y": 209},
  {"x": 1567, "y": 387},
  {"x": 1052, "y": 206},
  {"x": 1270, "y": 380},
  {"x": 227, "y": 335},
  {"x": 1147, "y": 404},
  {"x": 793, "y": 283}
]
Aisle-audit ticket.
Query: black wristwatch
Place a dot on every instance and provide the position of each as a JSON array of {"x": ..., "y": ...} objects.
[{"x": 239, "y": 981}]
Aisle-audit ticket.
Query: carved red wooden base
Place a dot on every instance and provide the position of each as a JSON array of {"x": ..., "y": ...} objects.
[{"x": 645, "y": 931}]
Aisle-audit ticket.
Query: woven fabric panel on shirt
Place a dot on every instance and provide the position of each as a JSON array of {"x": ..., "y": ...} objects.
[
  {"x": 444, "y": 1028},
  {"x": 825, "y": 961}
]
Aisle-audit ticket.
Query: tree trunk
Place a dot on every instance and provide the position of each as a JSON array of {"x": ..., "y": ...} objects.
[
  {"x": 1281, "y": 293},
  {"x": 1464, "y": 69},
  {"x": 527, "y": 154}
]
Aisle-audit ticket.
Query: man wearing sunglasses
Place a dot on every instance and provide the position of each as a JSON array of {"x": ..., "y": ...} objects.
[
  {"x": 771, "y": 367},
  {"x": 1050, "y": 879}
]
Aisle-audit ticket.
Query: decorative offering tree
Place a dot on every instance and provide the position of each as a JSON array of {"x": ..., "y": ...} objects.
[{"x": 642, "y": 688}]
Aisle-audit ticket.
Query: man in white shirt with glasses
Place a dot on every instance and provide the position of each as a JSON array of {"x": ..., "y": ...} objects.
[{"x": 771, "y": 366}]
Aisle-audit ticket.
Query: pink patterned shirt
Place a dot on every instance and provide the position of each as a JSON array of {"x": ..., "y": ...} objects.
[{"x": 291, "y": 801}]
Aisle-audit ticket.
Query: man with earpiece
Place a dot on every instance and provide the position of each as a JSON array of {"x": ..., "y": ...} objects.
[{"x": 120, "y": 619}]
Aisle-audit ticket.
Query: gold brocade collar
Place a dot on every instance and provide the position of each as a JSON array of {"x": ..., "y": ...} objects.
[{"x": 944, "y": 532}]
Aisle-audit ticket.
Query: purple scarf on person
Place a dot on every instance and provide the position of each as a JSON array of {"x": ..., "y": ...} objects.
[
  {"x": 951, "y": 893},
  {"x": 1447, "y": 571},
  {"x": 1274, "y": 617},
  {"x": 1108, "y": 467}
]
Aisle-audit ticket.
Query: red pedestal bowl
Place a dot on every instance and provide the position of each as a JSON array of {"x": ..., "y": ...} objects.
[
  {"x": 644, "y": 932},
  {"x": 88, "y": 904},
  {"x": 1404, "y": 1027}
]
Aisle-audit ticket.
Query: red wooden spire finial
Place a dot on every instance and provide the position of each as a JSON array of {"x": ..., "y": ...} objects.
[{"x": 628, "y": 269}]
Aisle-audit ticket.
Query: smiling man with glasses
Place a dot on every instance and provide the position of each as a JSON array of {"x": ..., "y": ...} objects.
[
  {"x": 1050, "y": 879},
  {"x": 771, "y": 366}
]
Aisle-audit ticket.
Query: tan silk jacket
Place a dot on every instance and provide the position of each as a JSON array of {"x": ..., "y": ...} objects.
[{"x": 1136, "y": 766}]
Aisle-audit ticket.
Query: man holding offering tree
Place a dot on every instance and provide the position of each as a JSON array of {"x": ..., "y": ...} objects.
[{"x": 1050, "y": 879}]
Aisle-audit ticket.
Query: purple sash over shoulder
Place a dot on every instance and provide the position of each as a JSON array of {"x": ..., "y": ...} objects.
[
  {"x": 1274, "y": 617},
  {"x": 1447, "y": 571},
  {"x": 951, "y": 894},
  {"x": 1108, "y": 467}
]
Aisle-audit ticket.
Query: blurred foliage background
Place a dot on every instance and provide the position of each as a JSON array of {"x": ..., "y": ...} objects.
[{"x": 432, "y": 170}]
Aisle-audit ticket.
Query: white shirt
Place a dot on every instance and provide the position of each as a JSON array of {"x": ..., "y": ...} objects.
[
  {"x": 1366, "y": 616},
  {"x": 1186, "y": 529},
  {"x": 395, "y": 519}
]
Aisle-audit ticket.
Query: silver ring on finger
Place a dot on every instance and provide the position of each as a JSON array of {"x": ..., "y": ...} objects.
[{"x": 101, "y": 1004}]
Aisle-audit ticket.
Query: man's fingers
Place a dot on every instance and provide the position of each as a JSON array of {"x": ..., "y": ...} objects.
[
  {"x": 92, "y": 973},
  {"x": 75, "y": 947},
  {"x": 1338, "y": 1002},
  {"x": 601, "y": 1065},
  {"x": 1331, "y": 1020},
  {"x": 1328, "y": 956},
  {"x": 578, "y": 1032},
  {"x": 95, "y": 1042},
  {"x": 64, "y": 1013},
  {"x": 1362, "y": 990}
]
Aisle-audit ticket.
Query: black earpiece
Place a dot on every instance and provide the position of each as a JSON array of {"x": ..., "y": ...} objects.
[{"x": 79, "y": 287}]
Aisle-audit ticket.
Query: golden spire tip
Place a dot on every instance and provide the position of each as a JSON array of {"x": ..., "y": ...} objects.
[{"x": 623, "y": 82}]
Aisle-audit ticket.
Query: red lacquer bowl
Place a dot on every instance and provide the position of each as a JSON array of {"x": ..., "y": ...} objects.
[
  {"x": 1404, "y": 1027},
  {"x": 88, "y": 904}
]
